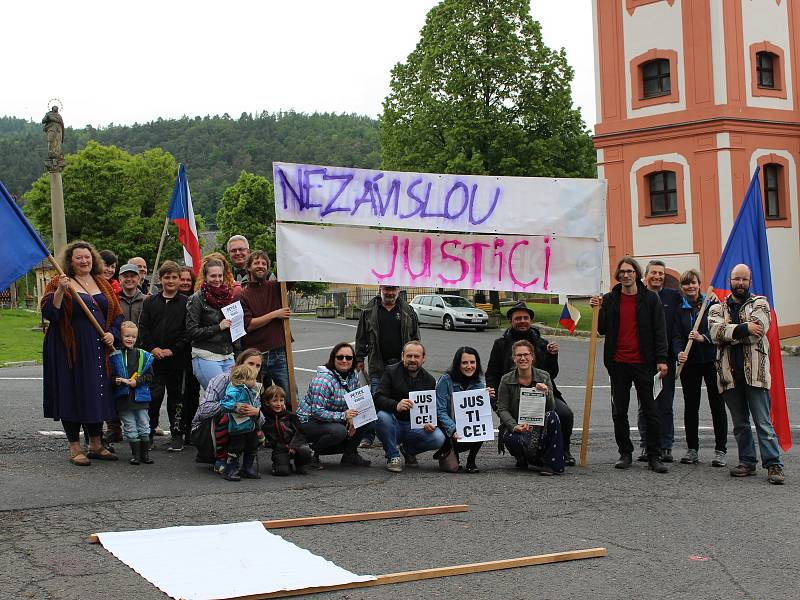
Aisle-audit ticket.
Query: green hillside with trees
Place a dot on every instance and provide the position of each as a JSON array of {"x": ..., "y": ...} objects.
[{"x": 214, "y": 149}]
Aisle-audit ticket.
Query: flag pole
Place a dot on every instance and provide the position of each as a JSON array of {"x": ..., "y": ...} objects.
[
  {"x": 287, "y": 339},
  {"x": 161, "y": 243},
  {"x": 697, "y": 321},
  {"x": 78, "y": 298},
  {"x": 587, "y": 398}
]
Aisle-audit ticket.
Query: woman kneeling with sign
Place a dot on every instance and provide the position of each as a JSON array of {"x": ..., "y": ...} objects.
[
  {"x": 465, "y": 374},
  {"x": 531, "y": 432}
]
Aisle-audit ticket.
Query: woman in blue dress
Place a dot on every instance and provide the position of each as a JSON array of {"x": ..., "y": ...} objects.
[{"x": 77, "y": 387}]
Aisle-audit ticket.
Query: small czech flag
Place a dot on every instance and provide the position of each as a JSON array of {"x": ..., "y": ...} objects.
[{"x": 569, "y": 317}]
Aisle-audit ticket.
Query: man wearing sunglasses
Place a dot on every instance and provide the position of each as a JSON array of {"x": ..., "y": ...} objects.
[{"x": 635, "y": 349}]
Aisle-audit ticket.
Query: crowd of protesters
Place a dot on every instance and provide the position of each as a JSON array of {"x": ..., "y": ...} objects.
[{"x": 119, "y": 343}]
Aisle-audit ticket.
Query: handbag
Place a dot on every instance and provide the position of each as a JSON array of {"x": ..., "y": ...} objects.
[{"x": 448, "y": 459}]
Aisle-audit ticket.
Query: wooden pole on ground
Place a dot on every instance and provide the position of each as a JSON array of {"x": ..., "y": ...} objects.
[
  {"x": 435, "y": 573},
  {"x": 587, "y": 397},
  {"x": 161, "y": 245},
  {"x": 697, "y": 322},
  {"x": 77, "y": 297},
  {"x": 287, "y": 339},
  {"x": 350, "y": 517}
]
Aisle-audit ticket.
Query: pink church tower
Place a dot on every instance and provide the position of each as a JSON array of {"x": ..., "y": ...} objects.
[{"x": 692, "y": 95}]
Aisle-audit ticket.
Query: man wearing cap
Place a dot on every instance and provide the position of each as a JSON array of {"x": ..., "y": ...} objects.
[
  {"x": 141, "y": 265},
  {"x": 546, "y": 356},
  {"x": 131, "y": 299},
  {"x": 386, "y": 324}
]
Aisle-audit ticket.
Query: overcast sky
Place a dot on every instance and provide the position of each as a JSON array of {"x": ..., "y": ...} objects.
[{"x": 127, "y": 62}]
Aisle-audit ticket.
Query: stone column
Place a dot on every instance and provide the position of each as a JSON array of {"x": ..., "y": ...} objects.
[{"x": 55, "y": 166}]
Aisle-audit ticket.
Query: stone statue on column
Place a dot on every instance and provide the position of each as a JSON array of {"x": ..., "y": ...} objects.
[{"x": 53, "y": 125}]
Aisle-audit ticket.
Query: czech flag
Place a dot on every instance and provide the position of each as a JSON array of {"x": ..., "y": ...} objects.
[
  {"x": 20, "y": 245},
  {"x": 747, "y": 244},
  {"x": 181, "y": 213},
  {"x": 569, "y": 317}
]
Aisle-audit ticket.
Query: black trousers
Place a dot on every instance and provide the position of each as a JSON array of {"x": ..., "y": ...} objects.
[
  {"x": 331, "y": 438},
  {"x": 641, "y": 376},
  {"x": 281, "y": 459},
  {"x": 169, "y": 380},
  {"x": 692, "y": 376},
  {"x": 191, "y": 399},
  {"x": 243, "y": 442}
]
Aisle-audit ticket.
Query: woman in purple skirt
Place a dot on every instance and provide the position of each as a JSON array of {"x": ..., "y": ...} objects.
[{"x": 77, "y": 388}]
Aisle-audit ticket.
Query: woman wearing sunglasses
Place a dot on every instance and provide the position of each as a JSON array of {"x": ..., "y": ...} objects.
[{"x": 327, "y": 422}]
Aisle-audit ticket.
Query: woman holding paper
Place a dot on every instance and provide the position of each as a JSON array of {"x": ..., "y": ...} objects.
[
  {"x": 466, "y": 373},
  {"x": 542, "y": 446},
  {"x": 207, "y": 327},
  {"x": 327, "y": 422},
  {"x": 698, "y": 365}
]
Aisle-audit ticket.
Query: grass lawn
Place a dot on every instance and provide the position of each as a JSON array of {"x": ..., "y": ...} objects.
[
  {"x": 549, "y": 314},
  {"x": 18, "y": 341}
]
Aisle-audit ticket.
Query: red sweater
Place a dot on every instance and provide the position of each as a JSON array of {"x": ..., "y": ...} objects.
[
  {"x": 627, "y": 350},
  {"x": 257, "y": 300}
]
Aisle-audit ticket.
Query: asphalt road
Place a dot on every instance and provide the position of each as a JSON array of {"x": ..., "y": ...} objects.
[{"x": 692, "y": 533}]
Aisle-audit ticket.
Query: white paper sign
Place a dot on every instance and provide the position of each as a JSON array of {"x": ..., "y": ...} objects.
[
  {"x": 235, "y": 314},
  {"x": 361, "y": 400},
  {"x": 423, "y": 410},
  {"x": 473, "y": 416},
  {"x": 658, "y": 385},
  {"x": 531, "y": 406},
  {"x": 544, "y": 264},
  {"x": 437, "y": 202}
]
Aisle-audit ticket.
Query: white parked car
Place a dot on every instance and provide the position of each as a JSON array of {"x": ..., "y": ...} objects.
[{"x": 449, "y": 312}]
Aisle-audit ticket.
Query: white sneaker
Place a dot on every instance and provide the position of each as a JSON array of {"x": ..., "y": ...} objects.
[
  {"x": 720, "y": 459},
  {"x": 394, "y": 464}
]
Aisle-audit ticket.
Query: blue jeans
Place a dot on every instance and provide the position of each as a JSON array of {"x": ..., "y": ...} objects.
[
  {"x": 135, "y": 424},
  {"x": 374, "y": 385},
  {"x": 205, "y": 370},
  {"x": 275, "y": 368},
  {"x": 392, "y": 431},
  {"x": 742, "y": 402},
  {"x": 664, "y": 402}
]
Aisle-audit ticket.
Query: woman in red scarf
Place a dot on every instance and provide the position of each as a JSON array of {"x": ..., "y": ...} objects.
[
  {"x": 77, "y": 390},
  {"x": 207, "y": 327}
]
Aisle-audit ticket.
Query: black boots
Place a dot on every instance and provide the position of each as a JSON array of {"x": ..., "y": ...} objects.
[
  {"x": 656, "y": 465},
  {"x": 250, "y": 467},
  {"x": 134, "y": 452},
  {"x": 231, "y": 472},
  {"x": 624, "y": 462},
  {"x": 144, "y": 450}
]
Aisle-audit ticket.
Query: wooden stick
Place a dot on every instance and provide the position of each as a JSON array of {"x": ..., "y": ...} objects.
[
  {"x": 78, "y": 298},
  {"x": 287, "y": 340},
  {"x": 587, "y": 397},
  {"x": 435, "y": 573},
  {"x": 161, "y": 244},
  {"x": 350, "y": 517},
  {"x": 697, "y": 321}
]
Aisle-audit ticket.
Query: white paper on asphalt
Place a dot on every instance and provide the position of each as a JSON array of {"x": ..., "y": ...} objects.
[
  {"x": 361, "y": 400},
  {"x": 531, "y": 406},
  {"x": 222, "y": 561},
  {"x": 235, "y": 314},
  {"x": 423, "y": 409},
  {"x": 473, "y": 414}
]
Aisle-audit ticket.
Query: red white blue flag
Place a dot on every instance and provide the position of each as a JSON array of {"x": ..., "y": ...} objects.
[
  {"x": 20, "y": 245},
  {"x": 569, "y": 317},
  {"x": 747, "y": 244},
  {"x": 181, "y": 213}
]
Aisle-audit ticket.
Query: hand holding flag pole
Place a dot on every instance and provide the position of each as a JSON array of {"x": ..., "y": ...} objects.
[{"x": 706, "y": 301}]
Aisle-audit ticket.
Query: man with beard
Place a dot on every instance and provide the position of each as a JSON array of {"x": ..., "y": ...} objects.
[
  {"x": 263, "y": 320},
  {"x": 632, "y": 319},
  {"x": 501, "y": 362},
  {"x": 394, "y": 409},
  {"x": 739, "y": 328},
  {"x": 238, "y": 249},
  {"x": 387, "y": 323}
]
